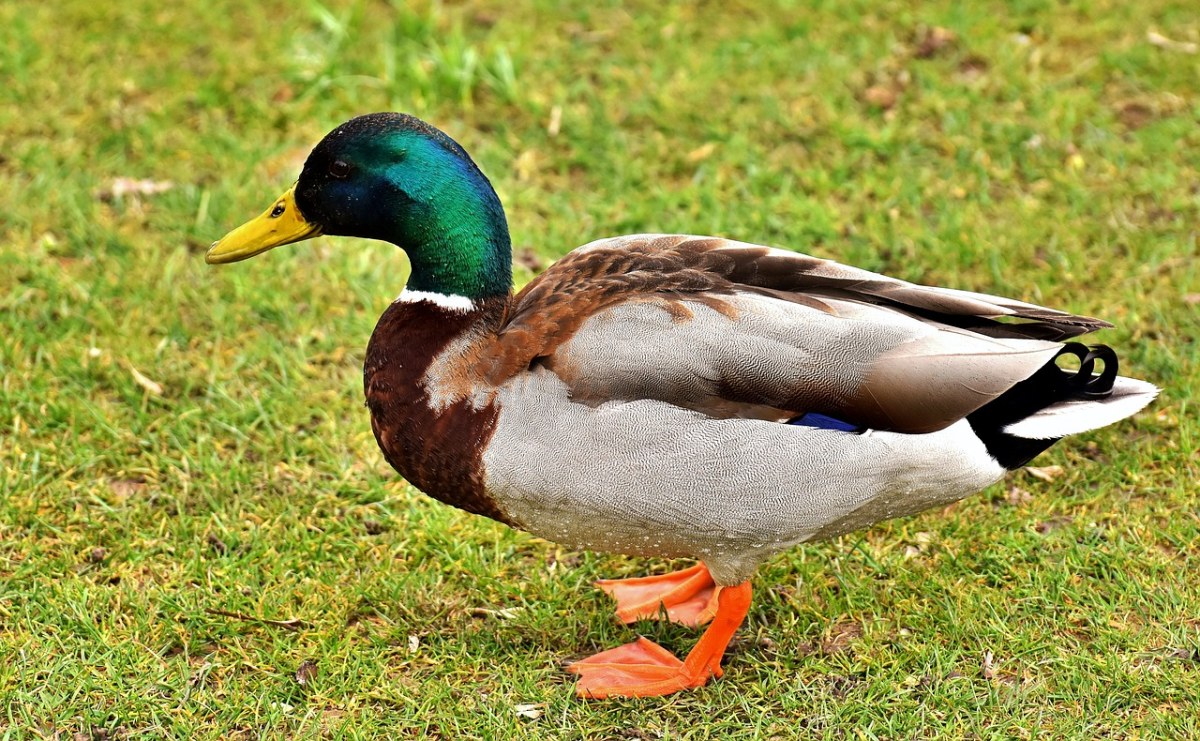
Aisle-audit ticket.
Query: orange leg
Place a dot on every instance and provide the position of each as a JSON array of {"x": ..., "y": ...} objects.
[
  {"x": 645, "y": 669},
  {"x": 689, "y": 596}
]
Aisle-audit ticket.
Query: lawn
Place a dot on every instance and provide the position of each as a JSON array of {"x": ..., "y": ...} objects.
[{"x": 199, "y": 538}]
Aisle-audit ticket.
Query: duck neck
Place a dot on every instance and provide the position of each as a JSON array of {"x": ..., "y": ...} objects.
[{"x": 458, "y": 243}]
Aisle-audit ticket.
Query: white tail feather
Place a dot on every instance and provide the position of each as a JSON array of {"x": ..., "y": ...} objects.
[{"x": 1128, "y": 397}]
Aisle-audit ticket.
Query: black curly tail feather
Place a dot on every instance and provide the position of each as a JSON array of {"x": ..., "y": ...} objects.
[{"x": 1049, "y": 385}]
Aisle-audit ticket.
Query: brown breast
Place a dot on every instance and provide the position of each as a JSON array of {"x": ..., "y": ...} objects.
[{"x": 438, "y": 450}]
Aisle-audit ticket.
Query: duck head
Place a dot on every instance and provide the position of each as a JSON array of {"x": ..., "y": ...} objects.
[{"x": 392, "y": 177}]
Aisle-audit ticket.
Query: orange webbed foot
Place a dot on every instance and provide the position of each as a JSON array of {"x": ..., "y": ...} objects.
[
  {"x": 645, "y": 669},
  {"x": 689, "y": 596},
  {"x": 639, "y": 669}
]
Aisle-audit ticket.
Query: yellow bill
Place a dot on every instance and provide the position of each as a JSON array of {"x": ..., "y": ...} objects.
[{"x": 280, "y": 224}]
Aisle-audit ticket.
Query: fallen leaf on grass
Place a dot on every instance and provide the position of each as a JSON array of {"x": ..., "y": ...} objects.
[
  {"x": 414, "y": 642},
  {"x": 120, "y": 188},
  {"x": 881, "y": 96},
  {"x": 506, "y": 613},
  {"x": 151, "y": 386},
  {"x": 1045, "y": 473},
  {"x": 306, "y": 672},
  {"x": 1135, "y": 115},
  {"x": 532, "y": 710},
  {"x": 988, "y": 669},
  {"x": 124, "y": 487},
  {"x": 972, "y": 68},
  {"x": 1162, "y": 42},
  {"x": 217, "y": 544},
  {"x": 841, "y": 636},
  {"x": 292, "y": 624},
  {"x": 933, "y": 40},
  {"x": 1159, "y": 656},
  {"x": 702, "y": 152}
]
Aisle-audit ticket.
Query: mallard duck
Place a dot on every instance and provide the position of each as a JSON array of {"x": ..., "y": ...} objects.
[{"x": 671, "y": 395}]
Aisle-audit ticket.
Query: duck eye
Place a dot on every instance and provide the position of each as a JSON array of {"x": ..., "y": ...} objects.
[
  {"x": 339, "y": 169},
  {"x": 277, "y": 211}
]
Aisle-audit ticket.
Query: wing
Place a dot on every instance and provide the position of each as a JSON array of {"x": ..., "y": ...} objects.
[{"x": 738, "y": 330}]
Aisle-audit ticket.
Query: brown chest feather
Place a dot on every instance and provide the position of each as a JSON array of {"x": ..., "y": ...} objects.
[{"x": 439, "y": 451}]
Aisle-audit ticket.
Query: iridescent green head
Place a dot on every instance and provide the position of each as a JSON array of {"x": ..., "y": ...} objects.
[{"x": 393, "y": 177}]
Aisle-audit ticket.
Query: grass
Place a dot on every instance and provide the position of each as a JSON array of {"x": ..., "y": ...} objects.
[{"x": 193, "y": 513}]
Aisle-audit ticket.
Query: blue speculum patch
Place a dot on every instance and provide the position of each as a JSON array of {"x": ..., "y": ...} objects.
[{"x": 823, "y": 422}]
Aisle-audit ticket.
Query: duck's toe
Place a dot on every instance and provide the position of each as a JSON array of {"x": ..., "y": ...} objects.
[
  {"x": 639, "y": 669},
  {"x": 688, "y": 597}
]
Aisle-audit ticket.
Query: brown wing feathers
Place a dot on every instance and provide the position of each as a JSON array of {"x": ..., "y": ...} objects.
[
  {"x": 617, "y": 270},
  {"x": 762, "y": 267},
  {"x": 553, "y": 306},
  {"x": 674, "y": 271}
]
